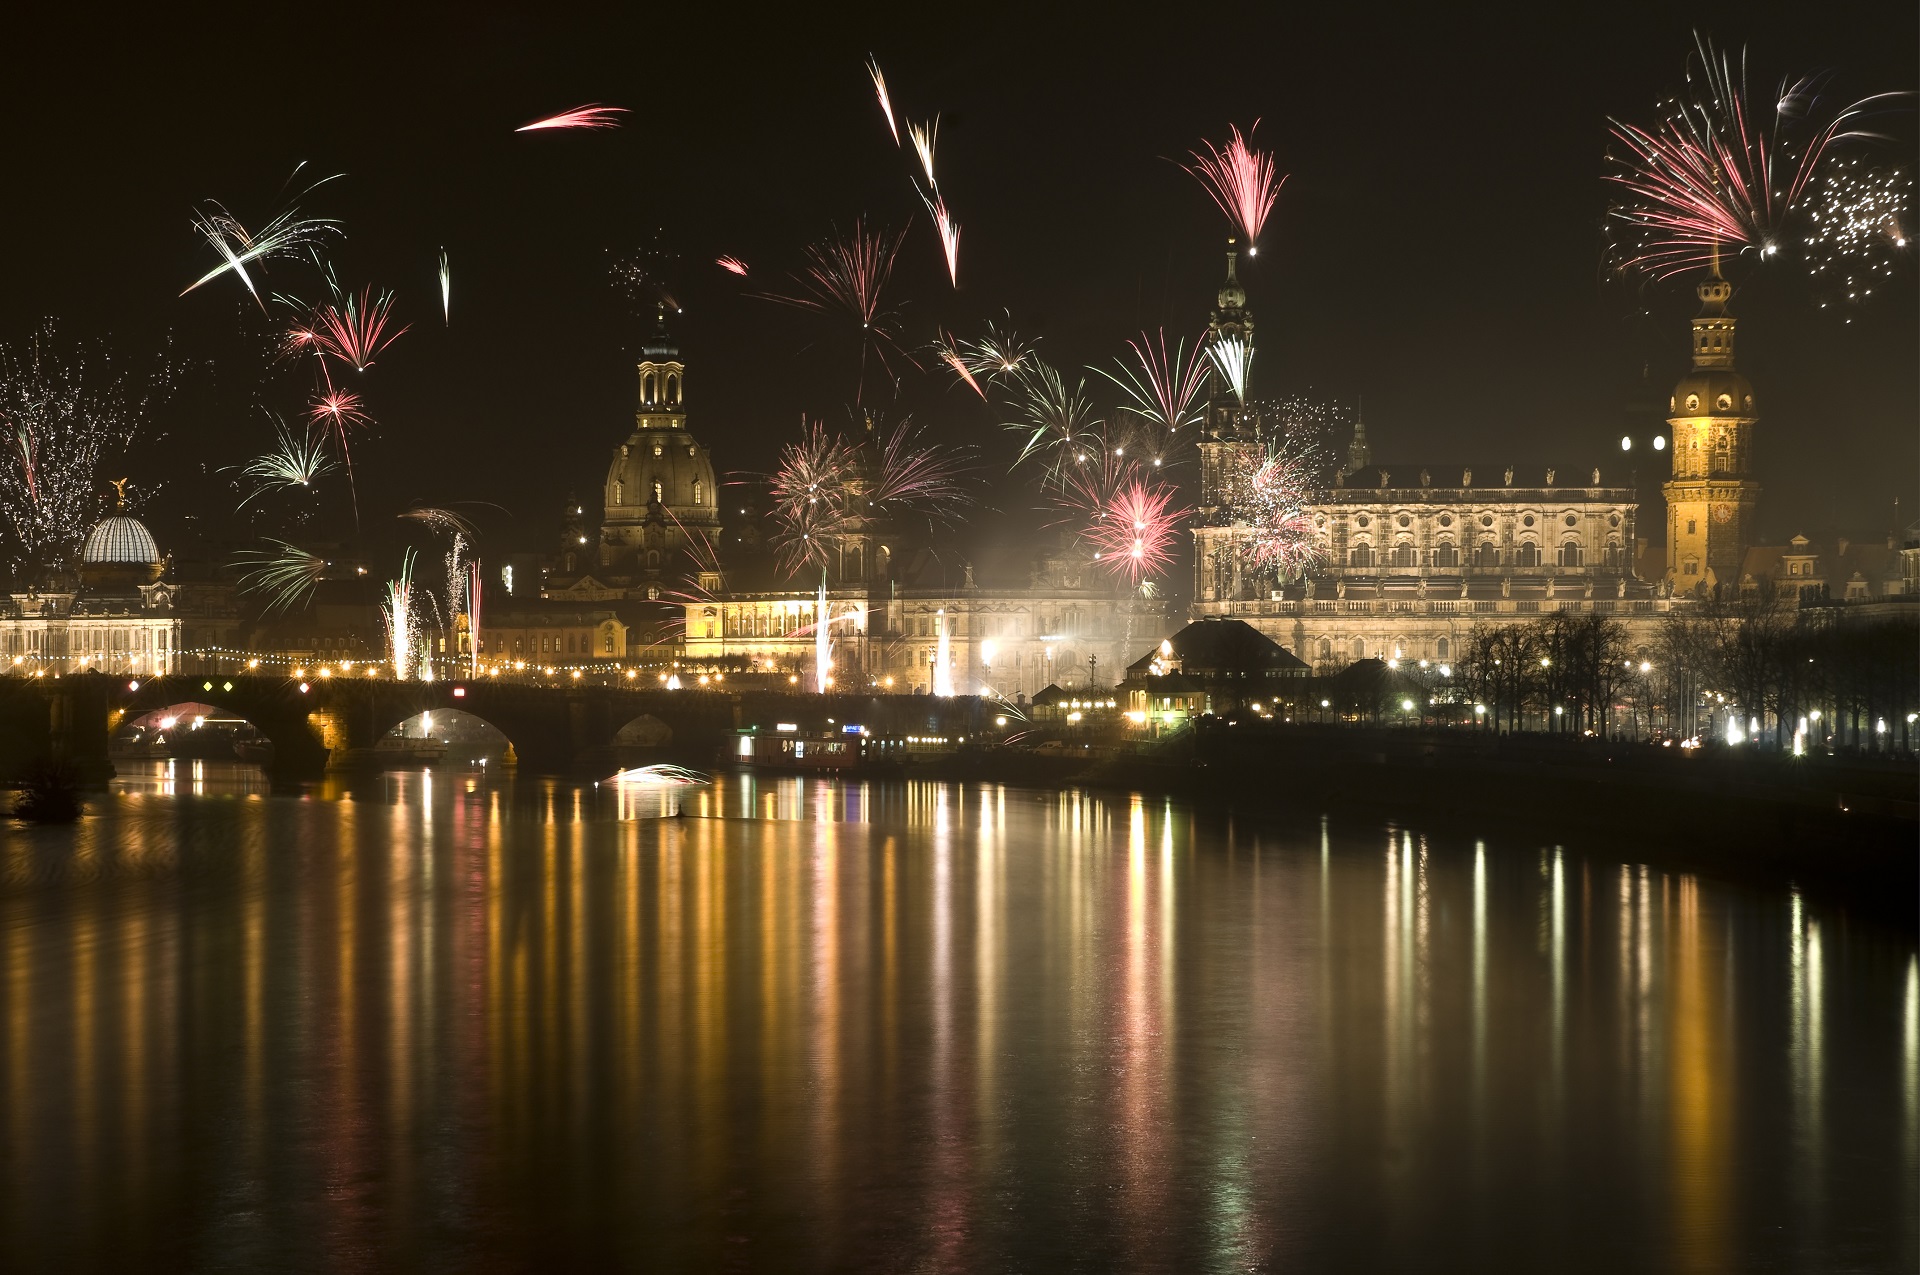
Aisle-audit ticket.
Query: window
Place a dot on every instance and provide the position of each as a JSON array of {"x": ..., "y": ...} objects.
[
  {"x": 1527, "y": 555},
  {"x": 1570, "y": 554},
  {"x": 1446, "y": 555},
  {"x": 1692, "y": 567},
  {"x": 1404, "y": 555},
  {"x": 1359, "y": 648},
  {"x": 657, "y": 498},
  {"x": 1486, "y": 555},
  {"x": 1361, "y": 556},
  {"x": 696, "y": 491},
  {"x": 1326, "y": 648},
  {"x": 1692, "y": 527},
  {"x": 1442, "y": 649},
  {"x": 606, "y": 642}
]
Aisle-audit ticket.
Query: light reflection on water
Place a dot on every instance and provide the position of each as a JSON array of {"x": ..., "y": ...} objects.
[{"x": 433, "y": 1020}]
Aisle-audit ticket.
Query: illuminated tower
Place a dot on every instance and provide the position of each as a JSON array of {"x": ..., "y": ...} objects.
[
  {"x": 1710, "y": 498},
  {"x": 1230, "y": 336},
  {"x": 660, "y": 488}
]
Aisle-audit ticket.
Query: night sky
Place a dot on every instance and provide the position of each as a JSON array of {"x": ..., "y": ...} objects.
[{"x": 1436, "y": 250}]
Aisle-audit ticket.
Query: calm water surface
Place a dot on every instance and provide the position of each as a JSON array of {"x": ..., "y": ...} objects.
[{"x": 434, "y": 1023}]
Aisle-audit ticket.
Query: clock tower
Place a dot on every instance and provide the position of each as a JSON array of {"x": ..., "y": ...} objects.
[{"x": 1711, "y": 496}]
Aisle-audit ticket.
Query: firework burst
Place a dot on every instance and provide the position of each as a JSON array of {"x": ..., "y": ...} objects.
[
  {"x": 1232, "y": 354},
  {"x": 296, "y": 461},
  {"x": 1720, "y": 172},
  {"x": 812, "y": 509},
  {"x": 1241, "y": 180},
  {"x": 1136, "y": 531},
  {"x": 732, "y": 265},
  {"x": 593, "y": 116},
  {"x": 1862, "y": 221},
  {"x": 1272, "y": 493},
  {"x": 353, "y": 330},
  {"x": 285, "y": 574},
  {"x": 845, "y": 278},
  {"x": 67, "y": 413},
  {"x": 1056, "y": 421},
  {"x": 880, "y": 89},
  {"x": 237, "y": 246},
  {"x": 1164, "y": 392}
]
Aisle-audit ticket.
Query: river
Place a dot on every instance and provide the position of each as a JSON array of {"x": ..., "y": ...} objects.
[{"x": 447, "y": 1022}]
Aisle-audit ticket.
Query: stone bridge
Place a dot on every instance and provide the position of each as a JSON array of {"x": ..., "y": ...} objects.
[{"x": 321, "y": 724}]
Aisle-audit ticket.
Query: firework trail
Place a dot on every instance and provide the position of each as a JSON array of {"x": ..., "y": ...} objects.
[
  {"x": 286, "y": 574},
  {"x": 846, "y": 279},
  {"x": 732, "y": 265},
  {"x": 880, "y": 87},
  {"x": 444, "y": 521},
  {"x": 1164, "y": 392},
  {"x": 473, "y": 618},
  {"x": 446, "y": 288},
  {"x": 352, "y": 329},
  {"x": 236, "y": 245},
  {"x": 949, "y": 231},
  {"x": 924, "y": 136},
  {"x": 68, "y": 413},
  {"x": 822, "y": 641},
  {"x": 400, "y": 619},
  {"x": 1232, "y": 354},
  {"x": 1241, "y": 180},
  {"x": 297, "y": 460},
  {"x": 594, "y": 116},
  {"x": 1720, "y": 172},
  {"x": 953, "y": 359}
]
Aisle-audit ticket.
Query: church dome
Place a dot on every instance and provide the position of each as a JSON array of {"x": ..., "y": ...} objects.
[
  {"x": 120, "y": 541},
  {"x": 1712, "y": 391},
  {"x": 667, "y": 466}
]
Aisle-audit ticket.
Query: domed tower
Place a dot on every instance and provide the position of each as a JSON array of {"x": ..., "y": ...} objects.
[
  {"x": 660, "y": 485},
  {"x": 1710, "y": 498},
  {"x": 119, "y": 550}
]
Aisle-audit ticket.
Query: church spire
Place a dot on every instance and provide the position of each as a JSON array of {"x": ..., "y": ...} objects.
[{"x": 1359, "y": 455}]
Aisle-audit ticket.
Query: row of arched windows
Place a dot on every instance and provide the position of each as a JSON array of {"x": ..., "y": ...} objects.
[{"x": 1485, "y": 554}]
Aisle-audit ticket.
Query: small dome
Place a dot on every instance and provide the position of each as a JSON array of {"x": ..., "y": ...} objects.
[
  {"x": 1232, "y": 296},
  {"x": 120, "y": 541},
  {"x": 1713, "y": 391}
]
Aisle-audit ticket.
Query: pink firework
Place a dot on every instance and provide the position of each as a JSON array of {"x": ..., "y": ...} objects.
[
  {"x": 594, "y": 116},
  {"x": 1715, "y": 175},
  {"x": 732, "y": 265},
  {"x": 902, "y": 470},
  {"x": 880, "y": 88},
  {"x": 338, "y": 410},
  {"x": 353, "y": 331},
  {"x": 846, "y": 278},
  {"x": 1136, "y": 530},
  {"x": 811, "y": 509},
  {"x": 1241, "y": 180}
]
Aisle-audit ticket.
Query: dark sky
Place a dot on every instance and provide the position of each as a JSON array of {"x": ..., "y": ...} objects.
[{"x": 1436, "y": 249}]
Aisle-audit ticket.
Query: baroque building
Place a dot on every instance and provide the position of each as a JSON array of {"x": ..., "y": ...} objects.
[
  {"x": 1410, "y": 556},
  {"x": 115, "y": 613}
]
